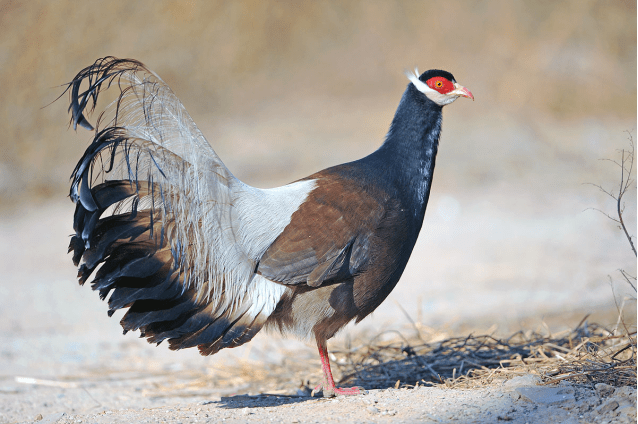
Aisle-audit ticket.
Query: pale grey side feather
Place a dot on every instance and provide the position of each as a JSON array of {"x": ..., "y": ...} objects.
[{"x": 264, "y": 295}]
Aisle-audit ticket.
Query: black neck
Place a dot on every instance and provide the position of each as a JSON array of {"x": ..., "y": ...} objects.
[{"x": 408, "y": 154}]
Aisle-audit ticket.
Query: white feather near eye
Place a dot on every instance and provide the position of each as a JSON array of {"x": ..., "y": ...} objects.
[
  {"x": 420, "y": 85},
  {"x": 435, "y": 96}
]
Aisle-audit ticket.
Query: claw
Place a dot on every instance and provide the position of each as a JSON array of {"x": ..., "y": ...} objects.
[
  {"x": 338, "y": 391},
  {"x": 317, "y": 389}
]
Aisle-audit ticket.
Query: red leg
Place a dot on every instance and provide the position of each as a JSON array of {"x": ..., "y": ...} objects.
[{"x": 328, "y": 383}]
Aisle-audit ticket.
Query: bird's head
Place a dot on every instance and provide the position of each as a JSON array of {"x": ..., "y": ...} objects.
[{"x": 438, "y": 86}]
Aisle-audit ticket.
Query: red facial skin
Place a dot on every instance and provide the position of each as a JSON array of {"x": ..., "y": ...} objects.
[{"x": 440, "y": 84}]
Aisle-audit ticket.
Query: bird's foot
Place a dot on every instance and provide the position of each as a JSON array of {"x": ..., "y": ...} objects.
[{"x": 332, "y": 391}]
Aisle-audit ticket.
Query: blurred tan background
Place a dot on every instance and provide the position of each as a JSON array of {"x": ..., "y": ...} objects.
[
  {"x": 318, "y": 73},
  {"x": 284, "y": 89}
]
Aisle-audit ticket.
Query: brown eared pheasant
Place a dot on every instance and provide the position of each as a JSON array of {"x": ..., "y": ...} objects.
[{"x": 201, "y": 259}]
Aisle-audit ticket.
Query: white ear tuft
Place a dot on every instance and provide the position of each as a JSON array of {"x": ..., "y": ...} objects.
[{"x": 420, "y": 85}]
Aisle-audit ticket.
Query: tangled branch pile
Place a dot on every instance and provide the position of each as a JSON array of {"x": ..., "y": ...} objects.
[{"x": 589, "y": 353}]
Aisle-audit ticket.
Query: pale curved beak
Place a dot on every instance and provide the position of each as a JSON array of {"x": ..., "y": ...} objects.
[{"x": 459, "y": 90}]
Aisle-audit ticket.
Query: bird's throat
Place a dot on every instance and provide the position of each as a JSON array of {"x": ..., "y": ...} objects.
[{"x": 410, "y": 149}]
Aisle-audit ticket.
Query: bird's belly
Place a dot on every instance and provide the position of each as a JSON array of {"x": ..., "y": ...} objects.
[{"x": 307, "y": 312}]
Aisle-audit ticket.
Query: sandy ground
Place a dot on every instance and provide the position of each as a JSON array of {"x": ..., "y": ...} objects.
[{"x": 519, "y": 400}]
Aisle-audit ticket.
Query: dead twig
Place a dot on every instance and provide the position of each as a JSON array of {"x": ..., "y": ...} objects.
[{"x": 626, "y": 166}]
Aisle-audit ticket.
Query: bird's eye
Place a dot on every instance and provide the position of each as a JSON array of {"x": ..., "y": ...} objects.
[{"x": 440, "y": 84}]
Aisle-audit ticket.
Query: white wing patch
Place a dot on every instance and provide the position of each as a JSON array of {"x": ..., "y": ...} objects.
[
  {"x": 264, "y": 213},
  {"x": 235, "y": 244}
]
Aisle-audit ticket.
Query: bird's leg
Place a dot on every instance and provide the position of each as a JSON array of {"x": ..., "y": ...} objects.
[{"x": 328, "y": 383}]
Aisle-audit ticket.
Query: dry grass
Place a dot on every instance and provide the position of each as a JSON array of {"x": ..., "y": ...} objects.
[{"x": 590, "y": 353}]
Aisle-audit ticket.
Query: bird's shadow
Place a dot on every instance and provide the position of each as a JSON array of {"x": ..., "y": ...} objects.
[{"x": 263, "y": 400}]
